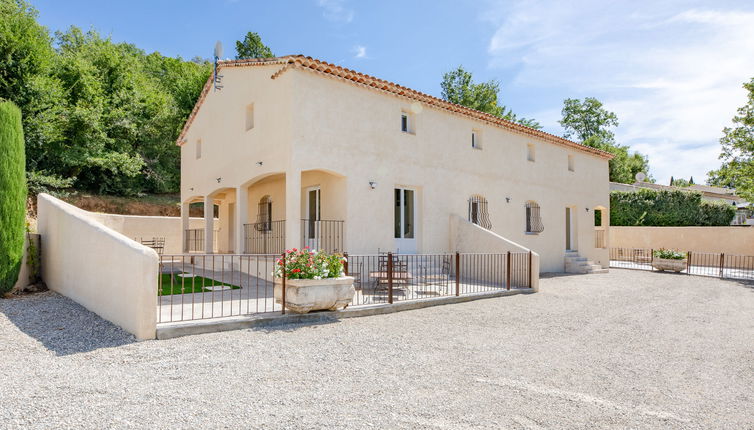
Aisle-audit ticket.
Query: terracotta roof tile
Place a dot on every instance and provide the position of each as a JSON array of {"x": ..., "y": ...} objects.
[{"x": 338, "y": 72}]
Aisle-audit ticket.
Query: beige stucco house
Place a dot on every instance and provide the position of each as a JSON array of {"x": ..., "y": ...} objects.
[{"x": 296, "y": 151}]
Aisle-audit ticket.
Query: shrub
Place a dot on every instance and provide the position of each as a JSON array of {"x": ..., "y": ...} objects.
[
  {"x": 13, "y": 195},
  {"x": 669, "y": 254},
  {"x": 664, "y": 208},
  {"x": 308, "y": 264}
]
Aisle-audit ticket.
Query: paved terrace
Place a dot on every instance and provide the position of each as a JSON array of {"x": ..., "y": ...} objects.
[{"x": 627, "y": 349}]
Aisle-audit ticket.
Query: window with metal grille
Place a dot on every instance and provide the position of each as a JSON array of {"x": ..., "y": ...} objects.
[
  {"x": 533, "y": 220},
  {"x": 478, "y": 212},
  {"x": 264, "y": 215}
]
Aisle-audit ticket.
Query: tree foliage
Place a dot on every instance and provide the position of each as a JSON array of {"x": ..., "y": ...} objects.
[
  {"x": 591, "y": 124},
  {"x": 588, "y": 119},
  {"x": 252, "y": 47},
  {"x": 737, "y": 170},
  {"x": 13, "y": 196},
  {"x": 664, "y": 208},
  {"x": 458, "y": 87},
  {"x": 98, "y": 115}
]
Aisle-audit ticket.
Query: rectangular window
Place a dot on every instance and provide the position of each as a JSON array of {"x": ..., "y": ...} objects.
[
  {"x": 570, "y": 163},
  {"x": 198, "y": 149},
  {"x": 530, "y": 152},
  {"x": 249, "y": 117},
  {"x": 476, "y": 139},
  {"x": 404, "y": 123}
]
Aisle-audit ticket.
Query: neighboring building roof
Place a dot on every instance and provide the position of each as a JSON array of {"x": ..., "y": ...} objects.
[
  {"x": 341, "y": 73},
  {"x": 711, "y": 189},
  {"x": 617, "y": 186}
]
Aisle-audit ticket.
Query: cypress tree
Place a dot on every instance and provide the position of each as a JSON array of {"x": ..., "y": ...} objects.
[{"x": 12, "y": 194}]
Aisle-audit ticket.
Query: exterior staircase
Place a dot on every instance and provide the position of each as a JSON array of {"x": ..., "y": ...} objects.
[{"x": 574, "y": 263}]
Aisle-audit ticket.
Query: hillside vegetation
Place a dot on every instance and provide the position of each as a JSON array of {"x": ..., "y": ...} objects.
[{"x": 98, "y": 116}]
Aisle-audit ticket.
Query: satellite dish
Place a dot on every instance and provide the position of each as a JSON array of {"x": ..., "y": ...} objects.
[
  {"x": 218, "y": 49},
  {"x": 640, "y": 177}
]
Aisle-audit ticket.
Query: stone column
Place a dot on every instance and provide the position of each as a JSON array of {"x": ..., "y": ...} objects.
[
  {"x": 242, "y": 218},
  {"x": 209, "y": 224},
  {"x": 292, "y": 208}
]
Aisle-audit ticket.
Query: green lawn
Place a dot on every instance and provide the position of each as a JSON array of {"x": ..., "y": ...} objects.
[{"x": 197, "y": 284}]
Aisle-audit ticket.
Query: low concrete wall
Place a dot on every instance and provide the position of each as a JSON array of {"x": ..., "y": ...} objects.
[
  {"x": 728, "y": 240},
  {"x": 103, "y": 270},
  {"x": 469, "y": 237},
  {"x": 147, "y": 227}
]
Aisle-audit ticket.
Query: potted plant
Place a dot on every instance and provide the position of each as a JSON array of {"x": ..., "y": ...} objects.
[
  {"x": 314, "y": 280},
  {"x": 668, "y": 259}
]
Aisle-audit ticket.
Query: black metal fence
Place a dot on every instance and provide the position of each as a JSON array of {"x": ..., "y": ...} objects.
[
  {"x": 326, "y": 235},
  {"x": 719, "y": 265},
  {"x": 264, "y": 237},
  {"x": 387, "y": 278},
  {"x": 201, "y": 286}
]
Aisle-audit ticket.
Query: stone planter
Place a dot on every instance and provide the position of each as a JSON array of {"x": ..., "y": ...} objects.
[
  {"x": 662, "y": 264},
  {"x": 304, "y": 295}
]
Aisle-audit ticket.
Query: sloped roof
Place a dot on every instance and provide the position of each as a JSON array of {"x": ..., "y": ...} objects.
[{"x": 347, "y": 75}]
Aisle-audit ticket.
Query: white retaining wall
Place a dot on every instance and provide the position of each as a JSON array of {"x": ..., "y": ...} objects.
[
  {"x": 101, "y": 269},
  {"x": 468, "y": 237},
  {"x": 146, "y": 227}
]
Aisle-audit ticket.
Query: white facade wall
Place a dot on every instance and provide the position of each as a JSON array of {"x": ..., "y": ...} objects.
[{"x": 306, "y": 122}]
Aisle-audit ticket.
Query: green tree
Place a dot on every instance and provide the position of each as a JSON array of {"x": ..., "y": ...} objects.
[
  {"x": 252, "y": 47},
  {"x": 26, "y": 61},
  {"x": 591, "y": 124},
  {"x": 458, "y": 87},
  {"x": 13, "y": 196},
  {"x": 683, "y": 183},
  {"x": 737, "y": 170},
  {"x": 588, "y": 118}
]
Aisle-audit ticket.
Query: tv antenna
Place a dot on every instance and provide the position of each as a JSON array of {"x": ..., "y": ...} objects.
[{"x": 218, "y": 79}]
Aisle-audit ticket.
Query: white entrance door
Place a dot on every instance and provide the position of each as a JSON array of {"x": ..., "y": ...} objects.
[
  {"x": 312, "y": 225},
  {"x": 405, "y": 220}
]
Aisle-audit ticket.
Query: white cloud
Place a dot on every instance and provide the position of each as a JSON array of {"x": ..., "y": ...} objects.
[
  {"x": 672, "y": 75},
  {"x": 360, "y": 51},
  {"x": 335, "y": 10}
]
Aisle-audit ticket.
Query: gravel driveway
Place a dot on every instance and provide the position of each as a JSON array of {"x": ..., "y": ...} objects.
[{"x": 626, "y": 349}]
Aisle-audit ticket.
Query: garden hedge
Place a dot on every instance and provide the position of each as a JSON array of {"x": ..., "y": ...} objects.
[
  {"x": 662, "y": 208},
  {"x": 12, "y": 195}
]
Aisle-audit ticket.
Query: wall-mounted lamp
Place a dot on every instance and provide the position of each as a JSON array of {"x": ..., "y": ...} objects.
[
  {"x": 219, "y": 180},
  {"x": 372, "y": 184},
  {"x": 587, "y": 209},
  {"x": 259, "y": 163},
  {"x": 191, "y": 189},
  {"x": 507, "y": 200}
]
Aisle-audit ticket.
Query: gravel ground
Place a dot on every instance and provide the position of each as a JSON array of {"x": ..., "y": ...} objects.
[{"x": 628, "y": 349}]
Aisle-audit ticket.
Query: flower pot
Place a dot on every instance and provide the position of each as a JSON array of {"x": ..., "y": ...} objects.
[
  {"x": 662, "y": 264},
  {"x": 304, "y": 295}
]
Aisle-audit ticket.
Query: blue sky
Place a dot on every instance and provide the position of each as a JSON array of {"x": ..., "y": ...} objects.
[{"x": 671, "y": 70}]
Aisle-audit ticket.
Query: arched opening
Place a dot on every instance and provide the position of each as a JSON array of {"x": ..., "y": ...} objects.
[
  {"x": 533, "y": 219},
  {"x": 264, "y": 214},
  {"x": 600, "y": 227},
  {"x": 478, "y": 213}
]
